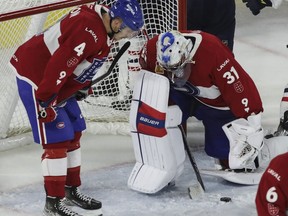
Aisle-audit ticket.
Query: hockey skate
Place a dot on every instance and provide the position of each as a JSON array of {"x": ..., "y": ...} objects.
[
  {"x": 282, "y": 129},
  {"x": 75, "y": 197},
  {"x": 55, "y": 207}
]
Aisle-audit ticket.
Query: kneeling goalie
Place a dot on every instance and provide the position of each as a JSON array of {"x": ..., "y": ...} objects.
[{"x": 200, "y": 76}]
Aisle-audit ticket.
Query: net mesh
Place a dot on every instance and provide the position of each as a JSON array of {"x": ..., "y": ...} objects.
[{"x": 110, "y": 102}]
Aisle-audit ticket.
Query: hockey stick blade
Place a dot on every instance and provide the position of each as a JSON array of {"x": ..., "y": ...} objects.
[
  {"x": 195, "y": 191},
  {"x": 109, "y": 71},
  {"x": 192, "y": 160},
  {"x": 241, "y": 178}
]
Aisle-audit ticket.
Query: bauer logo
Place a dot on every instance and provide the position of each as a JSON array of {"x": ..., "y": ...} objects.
[{"x": 150, "y": 121}]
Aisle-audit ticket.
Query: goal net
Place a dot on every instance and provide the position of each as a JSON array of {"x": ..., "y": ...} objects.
[{"x": 107, "y": 110}]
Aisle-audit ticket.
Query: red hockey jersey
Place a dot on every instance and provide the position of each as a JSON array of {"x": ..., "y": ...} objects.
[
  {"x": 65, "y": 57},
  {"x": 216, "y": 78},
  {"x": 272, "y": 194}
]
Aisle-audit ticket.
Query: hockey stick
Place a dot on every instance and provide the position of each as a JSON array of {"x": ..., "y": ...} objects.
[
  {"x": 193, "y": 191},
  {"x": 103, "y": 76}
]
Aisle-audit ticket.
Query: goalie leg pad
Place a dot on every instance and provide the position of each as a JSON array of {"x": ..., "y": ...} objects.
[
  {"x": 176, "y": 141},
  {"x": 159, "y": 151},
  {"x": 158, "y": 161},
  {"x": 155, "y": 164}
]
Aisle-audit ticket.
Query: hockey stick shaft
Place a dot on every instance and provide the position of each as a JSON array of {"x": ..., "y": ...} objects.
[
  {"x": 192, "y": 159},
  {"x": 103, "y": 76}
]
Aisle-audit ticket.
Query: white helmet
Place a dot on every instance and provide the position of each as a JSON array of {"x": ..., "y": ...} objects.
[
  {"x": 173, "y": 49},
  {"x": 173, "y": 54}
]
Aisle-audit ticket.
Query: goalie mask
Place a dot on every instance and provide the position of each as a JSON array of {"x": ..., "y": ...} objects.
[{"x": 174, "y": 56}]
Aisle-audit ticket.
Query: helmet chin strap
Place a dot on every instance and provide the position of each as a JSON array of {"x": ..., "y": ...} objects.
[{"x": 112, "y": 33}]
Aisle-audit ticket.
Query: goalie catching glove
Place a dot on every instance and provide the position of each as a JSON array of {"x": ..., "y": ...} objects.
[{"x": 246, "y": 141}]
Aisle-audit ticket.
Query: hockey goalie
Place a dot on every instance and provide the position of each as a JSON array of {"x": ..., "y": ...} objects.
[{"x": 205, "y": 81}]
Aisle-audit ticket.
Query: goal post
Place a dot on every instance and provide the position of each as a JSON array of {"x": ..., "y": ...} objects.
[
  {"x": 32, "y": 7},
  {"x": 107, "y": 110}
]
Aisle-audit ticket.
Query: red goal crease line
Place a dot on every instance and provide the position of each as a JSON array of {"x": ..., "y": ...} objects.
[{"x": 43, "y": 8}]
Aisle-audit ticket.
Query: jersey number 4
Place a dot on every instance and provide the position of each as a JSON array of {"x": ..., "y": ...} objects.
[{"x": 80, "y": 49}]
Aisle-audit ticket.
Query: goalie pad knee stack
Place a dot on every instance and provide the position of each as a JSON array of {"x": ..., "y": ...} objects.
[{"x": 157, "y": 140}]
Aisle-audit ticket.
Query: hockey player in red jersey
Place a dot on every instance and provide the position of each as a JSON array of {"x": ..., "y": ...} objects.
[
  {"x": 50, "y": 67},
  {"x": 272, "y": 193},
  {"x": 209, "y": 84}
]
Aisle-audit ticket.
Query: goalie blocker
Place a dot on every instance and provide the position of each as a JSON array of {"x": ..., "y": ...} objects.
[{"x": 157, "y": 140}]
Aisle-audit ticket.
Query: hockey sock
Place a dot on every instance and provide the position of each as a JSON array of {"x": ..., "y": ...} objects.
[
  {"x": 74, "y": 161},
  {"x": 54, "y": 168}
]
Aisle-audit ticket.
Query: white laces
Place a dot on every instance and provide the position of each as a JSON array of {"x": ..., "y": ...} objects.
[
  {"x": 83, "y": 196},
  {"x": 66, "y": 210}
]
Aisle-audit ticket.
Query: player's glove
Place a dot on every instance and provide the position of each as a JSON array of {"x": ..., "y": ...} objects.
[
  {"x": 83, "y": 93},
  {"x": 257, "y": 5},
  {"x": 47, "y": 112}
]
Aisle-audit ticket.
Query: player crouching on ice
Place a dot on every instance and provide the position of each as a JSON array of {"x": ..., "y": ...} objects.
[{"x": 206, "y": 82}]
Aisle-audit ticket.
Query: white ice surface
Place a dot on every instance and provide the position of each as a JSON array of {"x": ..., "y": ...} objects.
[
  {"x": 107, "y": 163},
  {"x": 260, "y": 47}
]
